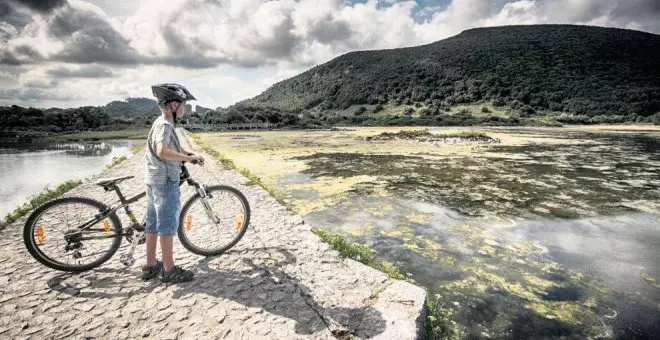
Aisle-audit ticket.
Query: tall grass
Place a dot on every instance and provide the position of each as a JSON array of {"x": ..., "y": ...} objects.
[
  {"x": 463, "y": 134},
  {"x": 358, "y": 252},
  {"x": 116, "y": 160},
  {"x": 439, "y": 326},
  {"x": 426, "y": 133}
]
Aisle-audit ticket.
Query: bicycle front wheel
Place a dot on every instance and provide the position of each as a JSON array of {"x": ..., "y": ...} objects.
[
  {"x": 69, "y": 234},
  {"x": 213, "y": 225}
]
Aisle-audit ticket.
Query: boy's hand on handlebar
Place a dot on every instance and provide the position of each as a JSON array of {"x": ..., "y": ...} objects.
[{"x": 196, "y": 158}]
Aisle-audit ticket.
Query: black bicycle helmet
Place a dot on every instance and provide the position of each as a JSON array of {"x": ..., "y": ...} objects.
[{"x": 169, "y": 92}]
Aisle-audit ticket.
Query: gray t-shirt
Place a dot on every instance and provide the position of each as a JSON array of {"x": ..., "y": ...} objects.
[{"x": 159, "y": 170}]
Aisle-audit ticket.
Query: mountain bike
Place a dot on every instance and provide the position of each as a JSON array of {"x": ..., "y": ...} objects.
[{"x": 77, "y": 234}]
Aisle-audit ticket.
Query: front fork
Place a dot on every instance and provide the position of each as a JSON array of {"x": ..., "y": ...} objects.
[{"x": 204, "y": 197}]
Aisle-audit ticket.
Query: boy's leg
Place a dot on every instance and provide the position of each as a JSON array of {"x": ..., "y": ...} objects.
[
  {"x": 166, "y": 246},
  {"x": 150, "y": 229},
  {"x": 168, "y": 221},
  {"x": 153, "y": 267},
  {"x": 167, "y": 228},
  {"x": 152, "y": 242}
]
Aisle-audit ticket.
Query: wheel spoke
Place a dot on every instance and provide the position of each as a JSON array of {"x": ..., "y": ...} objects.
[
  {"x": 56, "y": 219},
  {"x": 206, "y": 237}
]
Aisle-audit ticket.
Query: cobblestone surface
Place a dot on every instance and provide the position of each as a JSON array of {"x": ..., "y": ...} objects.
[{"x": 279, "y": 282}]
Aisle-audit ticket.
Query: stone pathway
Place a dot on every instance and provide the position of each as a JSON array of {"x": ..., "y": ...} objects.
[{"x": 279, "y": 282}]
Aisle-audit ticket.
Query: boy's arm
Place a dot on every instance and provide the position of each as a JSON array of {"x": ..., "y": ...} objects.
[
  {"x": 164, "y": 152},
  {"x": 186, "y": 152}
]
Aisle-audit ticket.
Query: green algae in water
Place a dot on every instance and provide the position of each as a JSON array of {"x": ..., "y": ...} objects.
[
  {"x": 491, "y": 285},
  {"x": 650, "y": 279}
]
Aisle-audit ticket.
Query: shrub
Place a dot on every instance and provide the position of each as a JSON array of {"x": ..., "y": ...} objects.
[
  {"x": 358, "y": 252},
  {"x": 528, "y": 110},
  {"x": 465, "y": 111},
  {"x": 35, "y": 201},
  {"x": 115, "y": 161}
]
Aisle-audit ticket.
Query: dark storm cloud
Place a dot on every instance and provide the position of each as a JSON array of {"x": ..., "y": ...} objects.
[
  {"x": 34, "y": 94},
  {"x": 190, "y": 62},
  {"x": 93, "y": 71},
  {"x": 27, "y": 52},
  {"x": 283, "y": 43},
  {"x": 41, "y": 83},
  {"x": 41, "y": 6},
  {"x": 20, "y": 55},
  {"x": 13, "y": 17},
  {"x": 89, "y": 38},
  {"x": 189, "y": 52},
  {"x": 632, "y": 9},
  {"x": 9, "y": 93},
  {"x": 645, "y": 12},
  {"x": 8, "y": 58},
  {"x": 330, "y": 30}
]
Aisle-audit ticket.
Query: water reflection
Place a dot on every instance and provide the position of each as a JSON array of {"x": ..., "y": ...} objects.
[
  {"x": 553, "y": 233},
  {"x": 522, "y": 241},
  {"x": 86, "y": 149},
  {"x": 27, "y": 169}
]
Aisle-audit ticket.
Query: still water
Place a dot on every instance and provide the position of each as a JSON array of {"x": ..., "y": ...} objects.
[
  {"x": 27, "y": 170},
  {"x": 552, "y": 233}
]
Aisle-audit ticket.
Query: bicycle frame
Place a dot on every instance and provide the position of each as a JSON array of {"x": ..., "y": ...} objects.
[{"x": 125, "y": 203}]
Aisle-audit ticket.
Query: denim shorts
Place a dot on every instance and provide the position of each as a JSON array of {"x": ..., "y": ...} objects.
[{"x": 163, "y": 206}]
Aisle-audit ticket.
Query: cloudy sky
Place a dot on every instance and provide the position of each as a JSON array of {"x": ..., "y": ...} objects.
[{"x": 67, "y": 53}]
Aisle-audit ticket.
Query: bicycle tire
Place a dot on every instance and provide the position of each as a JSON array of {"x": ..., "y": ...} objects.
[
  {"x": 185, "y": 241},
  {"x": 33, "y": 249}
]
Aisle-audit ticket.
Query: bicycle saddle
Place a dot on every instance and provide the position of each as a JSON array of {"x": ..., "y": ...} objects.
[{"x": 105, "y": 182}]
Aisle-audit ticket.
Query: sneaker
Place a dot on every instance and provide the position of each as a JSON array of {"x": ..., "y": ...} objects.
[
  {"x": 176, "y": 275},
  {"x": 151, "y": 271}
]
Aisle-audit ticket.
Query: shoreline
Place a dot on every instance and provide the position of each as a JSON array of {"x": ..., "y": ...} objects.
[
  {"x": 140, "y": 133},
  {"x": 281, "y": 279}
]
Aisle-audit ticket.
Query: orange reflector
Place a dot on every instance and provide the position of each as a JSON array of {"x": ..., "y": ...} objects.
[
  {"x": 188, "y": 222},
  {"x": 40, "y": 234},
  {"x": 106, "y": 226},
  {"x": 239, "y": 222}
]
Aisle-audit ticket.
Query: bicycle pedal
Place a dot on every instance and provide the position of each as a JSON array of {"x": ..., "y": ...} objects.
[{"x": 127, "y": 260}]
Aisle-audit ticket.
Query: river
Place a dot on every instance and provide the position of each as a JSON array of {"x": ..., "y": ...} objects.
[{"x": 27, "y": 169}]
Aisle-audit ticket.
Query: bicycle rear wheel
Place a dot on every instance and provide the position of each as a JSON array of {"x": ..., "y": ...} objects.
[
  {"x": 200, "y": 234},
  {"x": 53, "y": 236}
]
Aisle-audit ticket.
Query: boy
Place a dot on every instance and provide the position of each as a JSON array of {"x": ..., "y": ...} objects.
[{"x": 164, "y": 156}]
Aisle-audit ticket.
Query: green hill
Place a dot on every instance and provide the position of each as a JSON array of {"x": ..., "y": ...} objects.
[
  {"x": 570, "y": 73},
  {"x": 131, "y": 107}
]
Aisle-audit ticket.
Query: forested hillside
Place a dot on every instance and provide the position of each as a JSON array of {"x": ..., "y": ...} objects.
[{"x": 583, "y": 72}]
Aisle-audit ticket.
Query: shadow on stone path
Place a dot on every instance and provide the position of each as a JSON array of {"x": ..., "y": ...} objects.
[
  {"x": 260, "y": 287},
  {"x": 279, "y": 282}
]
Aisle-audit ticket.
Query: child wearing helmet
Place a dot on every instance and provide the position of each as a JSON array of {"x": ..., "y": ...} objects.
[{"x": 164, "y": 157}]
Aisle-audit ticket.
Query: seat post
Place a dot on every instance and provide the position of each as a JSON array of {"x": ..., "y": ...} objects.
[{"x": 122, "y": 199}]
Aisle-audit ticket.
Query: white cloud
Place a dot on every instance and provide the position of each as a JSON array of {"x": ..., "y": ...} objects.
[{"x": 214, "y": 40}]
